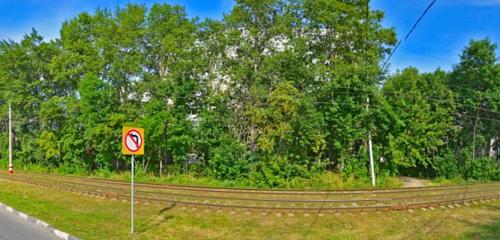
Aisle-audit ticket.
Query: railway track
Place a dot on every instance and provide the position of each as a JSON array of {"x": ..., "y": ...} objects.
[{"x": 269, "y": 200}]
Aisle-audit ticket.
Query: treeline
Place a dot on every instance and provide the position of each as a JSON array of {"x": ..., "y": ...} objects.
[{"x": 275, "y": 90}]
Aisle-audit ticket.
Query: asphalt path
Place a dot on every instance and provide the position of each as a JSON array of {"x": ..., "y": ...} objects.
[{"x": 13, "y": 227}]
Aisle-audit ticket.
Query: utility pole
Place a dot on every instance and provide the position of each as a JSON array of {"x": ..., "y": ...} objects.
[
  {"x": 372, "y": 170},
  {"x": 367, "y": 21},
  {"x": 11, "y": 167}
]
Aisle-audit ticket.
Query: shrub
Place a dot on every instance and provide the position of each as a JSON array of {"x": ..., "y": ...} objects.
[
  {"x": 74, "y": 169},
  {"x": 482, "y": 169},
  {"x": 229, "y": 160},
  {"x": 446, "y": 166},
  {"x": 355, "y": 167}
]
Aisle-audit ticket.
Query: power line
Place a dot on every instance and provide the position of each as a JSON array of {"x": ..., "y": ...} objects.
[
  {"x": 440, "y": 99},
  {"x": 470, "y": 89},
  {"x": 469, "y": 106},
  {"x": 408, "y": 34},
  {"x": 482, "y": 118},
  {"x": 358, "y": 92}
]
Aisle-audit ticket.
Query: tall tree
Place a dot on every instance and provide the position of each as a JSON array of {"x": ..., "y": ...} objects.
[
  {"x": 476, "y": 81},
  {"x": 423, "y": 108}
]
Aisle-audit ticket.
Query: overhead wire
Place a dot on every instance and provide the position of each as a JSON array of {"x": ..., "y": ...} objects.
[
  {"x": 357, "y": 91},
  {"x": 482, "y": 118},
  {"x": 435, "y": 98},
  {"x": 409, "y": 33}
]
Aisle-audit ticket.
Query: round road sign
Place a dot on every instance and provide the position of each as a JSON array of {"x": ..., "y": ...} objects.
[{"x": 133, "y": 140}]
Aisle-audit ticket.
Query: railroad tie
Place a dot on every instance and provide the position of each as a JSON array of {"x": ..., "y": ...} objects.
[{"x": 101, "y": 189}]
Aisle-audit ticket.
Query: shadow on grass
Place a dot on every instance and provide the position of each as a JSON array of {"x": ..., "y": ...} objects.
[
  {"x": 154, "y": 221},
  {"x": 488, "y": 231}
]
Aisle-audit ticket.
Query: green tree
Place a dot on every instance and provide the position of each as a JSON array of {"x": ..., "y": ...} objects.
[
  {"x": 423, "y": 123},
  {"x": 476, "y": 81}
]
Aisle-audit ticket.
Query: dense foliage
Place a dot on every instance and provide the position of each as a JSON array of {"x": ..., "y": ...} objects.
[{"x": 275, "y": 90}]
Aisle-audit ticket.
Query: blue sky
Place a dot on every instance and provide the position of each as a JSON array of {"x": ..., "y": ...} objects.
[
  {"x": 436, "y": 42},
  {"x": 443, "y": 33}
]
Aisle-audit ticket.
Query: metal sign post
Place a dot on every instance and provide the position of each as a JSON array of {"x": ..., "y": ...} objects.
[
  {"x": 132, "y": 197},
  {"x": 132, "y": 144}
]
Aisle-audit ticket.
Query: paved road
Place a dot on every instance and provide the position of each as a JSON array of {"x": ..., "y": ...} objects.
[{"x": 13, "y": 227}]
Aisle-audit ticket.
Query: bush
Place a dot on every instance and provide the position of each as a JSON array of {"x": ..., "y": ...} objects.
[
  {"x": 276, "y": 171},
  {"x": 482, "y": 169},
  {"x": 229, "y": 160},
  {"x": 103, "y": 172},
  {"x": 68, "y": 168},
  {"x": 355, "y": 167},
  {"x": 269, "y": 173},
  {"x": 37, "y": 168},
  {"x": 446, "y": 166}
]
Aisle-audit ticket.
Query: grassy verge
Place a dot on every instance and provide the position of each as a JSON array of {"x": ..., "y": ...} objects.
[
  {"x": 448, "y": 182},
  {"x": 91, "y": 218},
  {"x": 327, "y": 180}
]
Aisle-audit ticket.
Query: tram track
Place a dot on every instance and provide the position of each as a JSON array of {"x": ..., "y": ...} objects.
[
  {"x": 268, "y": 200},
  {"x": 264, "y": 191}
]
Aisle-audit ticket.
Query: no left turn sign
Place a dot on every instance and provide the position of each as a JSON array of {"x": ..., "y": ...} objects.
[
  {"x": 132, "y": 141},
  {"x": 132, "y": 144}
]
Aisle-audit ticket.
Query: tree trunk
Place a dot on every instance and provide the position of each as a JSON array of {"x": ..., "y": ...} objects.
[
  {"x": 146, "y": 166},
  {"x": 491, "y": 149},
  {"x": 474, "y": 136},
  {"x": 161, "y": 166},
  {"x": 161, "y": 162}
]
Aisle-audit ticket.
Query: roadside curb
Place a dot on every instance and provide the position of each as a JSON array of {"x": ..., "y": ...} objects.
[{"x": 59, "y": 234}]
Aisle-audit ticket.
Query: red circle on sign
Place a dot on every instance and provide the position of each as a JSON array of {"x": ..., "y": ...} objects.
[{"x": 136, "y": 144}]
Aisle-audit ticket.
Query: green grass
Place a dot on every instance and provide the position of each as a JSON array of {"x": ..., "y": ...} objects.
[
  {"x": 327, "y": 180},
  {"x": 454, "y": 181},
  {"x": 446, "y": 182},
  {"x": 90, "y": 218}
]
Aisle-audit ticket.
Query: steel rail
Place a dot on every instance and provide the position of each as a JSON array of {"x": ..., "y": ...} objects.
[
  {"x": 277, "y": 200},
  {"x": 302, "y": 209},
  {"x": 275, "y": 192},
  {"x": 209, "y": 197},
  {"x": 357, "y": 208}
]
